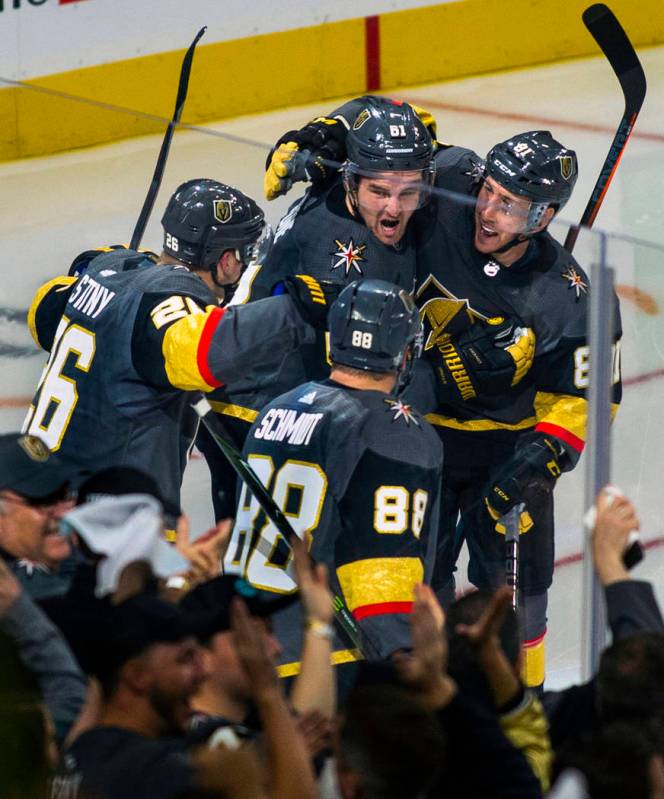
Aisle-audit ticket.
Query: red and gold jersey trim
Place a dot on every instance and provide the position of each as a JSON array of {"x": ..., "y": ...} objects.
[
  {"x": 381, "y": 609},
  {"x": 377, "y": 586},
  {"x": 204, "y": 347},
  {"x": 185, "y": 349}
]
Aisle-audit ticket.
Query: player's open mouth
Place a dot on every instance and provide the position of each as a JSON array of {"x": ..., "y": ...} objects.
[
  {"x": 389, "y": 224},
  {"x": 487, "y": 231}
]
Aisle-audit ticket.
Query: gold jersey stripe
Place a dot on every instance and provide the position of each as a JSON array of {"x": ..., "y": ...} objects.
[
  {"x": 180, "y": 349},
  {"x": 478, "y": 425},
  {"x": 336, "y": 659},
  {"x": 237, "y": 411},
  {"x": 375, "y": 581},
  {"x": 58, "y": 283},
  {"x": 563, "y": 410}
]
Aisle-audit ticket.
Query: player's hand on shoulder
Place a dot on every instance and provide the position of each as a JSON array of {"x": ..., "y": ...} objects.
[
  {"x": 311, "y": 297},
  {"x": 487, "y": 358},
  {"x": 309, "y": 154}
]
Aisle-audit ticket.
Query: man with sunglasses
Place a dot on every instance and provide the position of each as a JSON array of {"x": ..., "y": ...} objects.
[{"x": 34, "y": 496}]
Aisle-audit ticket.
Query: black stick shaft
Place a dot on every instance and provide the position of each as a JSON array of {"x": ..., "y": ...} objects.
[
  {"x": 151, "y": 196},
  {"x": 511, "y": 521},
  {"x": 616, "y": 46}
]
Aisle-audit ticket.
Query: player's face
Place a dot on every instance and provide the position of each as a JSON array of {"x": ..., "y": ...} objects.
[
  {"x": 499, "y": 216},
  {"x": 30, "y": 530},
  {"x": 177, "y": 671},
  {"x": 387, "y": 202}
]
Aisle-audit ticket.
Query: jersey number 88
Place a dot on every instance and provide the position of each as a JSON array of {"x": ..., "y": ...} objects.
[{"x": 251, "y": 553}]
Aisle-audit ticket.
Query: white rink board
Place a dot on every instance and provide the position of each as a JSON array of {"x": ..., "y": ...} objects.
[{"x": 43, "y": 37}]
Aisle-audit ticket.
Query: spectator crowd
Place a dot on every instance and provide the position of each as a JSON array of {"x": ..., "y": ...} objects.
[{"x": 134, "y": 669}]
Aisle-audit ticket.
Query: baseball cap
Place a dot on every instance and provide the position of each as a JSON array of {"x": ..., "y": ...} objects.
[
  {"x": 209, "y": 604},
  {"x": 110, "y": 635},
  {"x": 29, "y": 468},
  {"x": 115, "y": 481}
]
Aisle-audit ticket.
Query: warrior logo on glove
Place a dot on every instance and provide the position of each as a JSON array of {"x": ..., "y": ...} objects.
[{"x": 473, "y": 354}]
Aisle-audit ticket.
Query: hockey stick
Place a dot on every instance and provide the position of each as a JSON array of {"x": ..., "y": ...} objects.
[
  {"x": 202, "y": 407},
  {"x": 151, "y": 196},
  {"x": 612, "y": 40},
  {"x": 511, "y": 522}
]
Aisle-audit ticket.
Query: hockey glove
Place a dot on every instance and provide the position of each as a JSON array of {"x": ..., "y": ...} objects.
[
  {"x": 486, "y": 359},
  {"x": 311, "y": 297},
  {"x": 537, "y": 463},
  {"x": 426, "y": 118},
  {"x": 303, "y": 155}
]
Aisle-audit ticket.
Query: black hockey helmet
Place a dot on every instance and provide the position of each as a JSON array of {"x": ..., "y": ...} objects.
[
  {"x": 388, "y": 136},
  {"x": 535, "y": 166},
  {"x": 204, "y": 218},
  {"x": 373, "y": 324}
]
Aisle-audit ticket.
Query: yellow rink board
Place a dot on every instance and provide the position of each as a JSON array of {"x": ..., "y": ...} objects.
[{"x": 276, "y": 70}]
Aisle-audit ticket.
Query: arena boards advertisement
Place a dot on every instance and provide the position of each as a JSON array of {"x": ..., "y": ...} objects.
[{"x": 45, "y": 37}]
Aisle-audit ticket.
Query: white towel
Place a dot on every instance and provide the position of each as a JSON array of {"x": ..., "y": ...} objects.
[{"x": 124, "y": 529}]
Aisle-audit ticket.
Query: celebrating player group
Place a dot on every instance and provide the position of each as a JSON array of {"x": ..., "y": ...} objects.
[{"x": 401, "y": 363}]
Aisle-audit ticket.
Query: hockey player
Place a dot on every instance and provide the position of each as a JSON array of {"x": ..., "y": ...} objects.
[
  {"x": 496, "y": 257},
  {"x": 131, "y": 336},
  {"x": 356, "y": 471},
  {"x": 509, "y": 431},
  {"x": 355, "y": 224}
]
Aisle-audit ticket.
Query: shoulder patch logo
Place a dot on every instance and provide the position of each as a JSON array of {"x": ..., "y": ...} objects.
[
  {"x": 308, "y": 399},
  {"x": 402, "y": 411},
  {"x": 576, "y": 282},
  {"x": 566, "y": 166},
  {"x": 348, "y": 256},
  {"x": 491, "y": 268},
  {"x": 223, "y": 210}
]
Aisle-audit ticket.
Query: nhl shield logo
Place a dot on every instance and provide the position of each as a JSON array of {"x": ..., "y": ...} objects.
[
  {"x": 223, "y": 211},
  {"x": 566, "y": 166}
]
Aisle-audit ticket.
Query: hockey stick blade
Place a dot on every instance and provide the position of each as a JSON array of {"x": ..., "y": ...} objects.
[
  {"x": 616, "y": 46},
  {"x": 183, "y": 86},
  {"x": 269, "y": 506}
]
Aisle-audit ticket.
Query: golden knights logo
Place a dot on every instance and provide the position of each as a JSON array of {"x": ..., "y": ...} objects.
[
  {"x": 223, "y": 211},
  {"x": 348, "y": 256},
  {"x": 566, "y": 166},
  {"x": 443, "y": 315},
  {"x": 361, "y": 118},
  {"x": 34, "y": 448}
]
